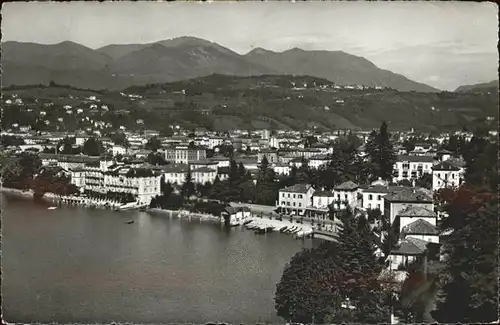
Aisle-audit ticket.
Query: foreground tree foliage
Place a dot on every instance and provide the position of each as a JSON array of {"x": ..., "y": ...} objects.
[
  {"x": 319, "y": 283},
  {"x": 468, "y": 284}
]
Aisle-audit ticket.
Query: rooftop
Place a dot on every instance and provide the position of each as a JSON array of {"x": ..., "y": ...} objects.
[
  {"x": 419, "y": 227},
  {"x": 319, "y": 157},
  {"x": 416, "y": 211},
  {"x": 176, "y": 168},
  {"x": 204, "y": 170},
  {"x": 416, "y": 159},
  {"x": 347, "y": 186},
  {"x": 445, "y": 165},
  {"x": 410, "y": 194},
  {"x": 323, "y": 194},
  {"x": 410, "y": 246},
  {"x": 382, "y": 189},
  {"x": 297, "y": 188}
]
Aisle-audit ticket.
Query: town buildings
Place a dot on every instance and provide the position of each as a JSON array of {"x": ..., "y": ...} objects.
[
  {"x": 411, "y": 167},
  {"x": 184, "y": 154},
  {"x": 295, "y": 199}
]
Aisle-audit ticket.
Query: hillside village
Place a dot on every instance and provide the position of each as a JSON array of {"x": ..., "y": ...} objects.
[{"x": 120, "y": 151}]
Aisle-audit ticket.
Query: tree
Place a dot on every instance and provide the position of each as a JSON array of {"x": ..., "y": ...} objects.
[
  {"x": 318, "y": 281},
  {"x": 266, "y": 191},
  {"x": 381, "y": 153},
  {"x": 153, "y": 144},
  {"x": 188, "y": 189},
  {"x": 93, "y": 147},
  {"x": 310, "y": 140},
  {"x": 424, "y": 181},
  {"x": 481, "y": 157},
  {"x": 165, "y": 187},
  {"x": 120, "y": 139},
  {"x": 218, "y": 190},
  {"x": 404, "y": 182},
  {"x": 156, "y": 159},
  {"x": 468, "y": 284},
  {"x": 65, "y": 146}
]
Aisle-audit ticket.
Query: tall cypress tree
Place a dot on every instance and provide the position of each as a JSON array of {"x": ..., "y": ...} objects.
[
  {"x": 188, "y": 187},
  {"x": 381, "y": 153},
  {"x": 265, "y": 189}
]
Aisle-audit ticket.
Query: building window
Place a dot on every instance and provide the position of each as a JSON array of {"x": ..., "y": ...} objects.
[
  {"x": 293, "y": 203},
  {"x": 300, "y": 196},
  {"x": 294, "y": 196},
  {"x": 405, "y": 174},
  {"x": 380, "y": 197},
  {"x": 288, "y": 195},
  {"x": 406, "y": 165},
  {"x": 345, "y": 196},
  {"x": 378, "y": 206},
  {"x": 369, "y": 205},
  {"x": 370, "y": 197},
  {"x": 300, "y": 204}
]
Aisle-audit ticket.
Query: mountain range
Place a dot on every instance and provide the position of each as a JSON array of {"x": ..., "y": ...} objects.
[
  {"x": 492, "y": 85},
  {"x": 116, "y": 67}
]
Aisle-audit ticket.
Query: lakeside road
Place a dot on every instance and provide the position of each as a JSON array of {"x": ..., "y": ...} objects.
[{"x": 268, "y": 211}]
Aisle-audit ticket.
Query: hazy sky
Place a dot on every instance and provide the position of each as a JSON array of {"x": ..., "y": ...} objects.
[{"x": 443, "y": 44}]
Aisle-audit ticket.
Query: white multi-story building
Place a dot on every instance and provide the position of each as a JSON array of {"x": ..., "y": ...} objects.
[
  {"x": 295, "y": 199},
  {"x": 118, "y": 150},
  {"x": 271, "y": 155},
  {"x": 185, "y": 154},
  {"x": 445, "y": 174},
  {"x": 175, "y": 173},
  {"x": 281, "y": 169},
  {"x": 221, "y": 161},
  {"x": 345, "y": 194},
  {"x": 78, "y": 177},
  {"x": 144, "y": 184},
  {"x": 215, "y": 141},
  {"x": 318, "y": 161},
  {"x": 397, "y": 201},
  {"x": 203, "y": 175},
  {"x": 322, "y": 199},
  {"x": 412, "y": 167}
]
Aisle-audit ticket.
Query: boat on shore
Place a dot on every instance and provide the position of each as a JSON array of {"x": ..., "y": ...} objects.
[
  {"x": 260, "y": 231},
  {"x": 283, "y": 229},
  {"x": 51, "y": 208},
  {"x": 130, "y": 222}
]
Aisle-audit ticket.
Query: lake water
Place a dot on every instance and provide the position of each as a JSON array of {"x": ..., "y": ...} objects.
[{"x": 78, "y": 265}]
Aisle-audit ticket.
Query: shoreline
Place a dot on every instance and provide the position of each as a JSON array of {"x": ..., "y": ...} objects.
[{"x": 254, "y": 222}]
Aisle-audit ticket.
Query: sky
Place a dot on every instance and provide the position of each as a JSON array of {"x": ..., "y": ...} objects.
[{"x": 442, "y": 44}]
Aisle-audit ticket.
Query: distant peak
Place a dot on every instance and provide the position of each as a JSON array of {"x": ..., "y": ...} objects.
[
  {"x": 295, "y": 49},
  {"x": 259, "y": 50}
]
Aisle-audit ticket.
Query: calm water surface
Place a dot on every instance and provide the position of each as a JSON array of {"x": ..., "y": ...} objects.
[{"x": 77, "y": 265}]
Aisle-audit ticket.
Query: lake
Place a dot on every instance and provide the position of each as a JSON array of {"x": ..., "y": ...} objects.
[{"x": 78, "y": 265}]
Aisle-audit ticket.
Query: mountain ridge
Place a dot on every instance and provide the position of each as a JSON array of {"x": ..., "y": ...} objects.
[
  {"x": 478, "y": 86},
  {"x": 121, "y": 65}
]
